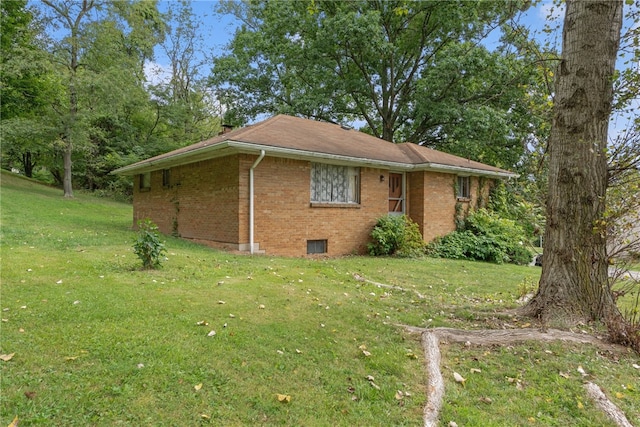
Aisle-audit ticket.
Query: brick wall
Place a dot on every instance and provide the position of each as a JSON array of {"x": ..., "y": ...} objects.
[
  {"x": 285, "y": 219},
  {"x": 438, "y": 208},
  {"x": 201, "y": 201},
  {"x": 415, "y": 205},
  {"x": 208, "y": 202}
]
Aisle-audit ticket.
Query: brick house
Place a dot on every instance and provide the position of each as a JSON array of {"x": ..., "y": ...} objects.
[{"x": 291, "y": 186}]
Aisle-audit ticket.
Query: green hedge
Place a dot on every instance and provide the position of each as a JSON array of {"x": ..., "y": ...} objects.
[{"x": 484, "y": 236}]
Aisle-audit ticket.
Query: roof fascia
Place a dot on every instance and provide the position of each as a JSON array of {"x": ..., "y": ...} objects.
[
  {"x": 232, "y": 147},
  {"x": 438, "y": 167},
  {"x": 293, "y": 153},
  {"x": 203, "y": 153}
]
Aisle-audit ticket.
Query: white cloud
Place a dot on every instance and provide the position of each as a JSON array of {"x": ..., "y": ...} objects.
[{"x": 156, "y": 73}]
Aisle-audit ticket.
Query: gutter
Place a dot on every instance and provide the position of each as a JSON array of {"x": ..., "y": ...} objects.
[
  {"x": 246, "y": 147},
  {"x": 349, "y": 160},
  {"x": 251, "y": 189}
]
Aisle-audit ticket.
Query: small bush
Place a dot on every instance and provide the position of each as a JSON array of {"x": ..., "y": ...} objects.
[
  {"x": 396, "y": 235},
  {"x": 484, "y": 236},
  {"x": 148, "y": 246}
]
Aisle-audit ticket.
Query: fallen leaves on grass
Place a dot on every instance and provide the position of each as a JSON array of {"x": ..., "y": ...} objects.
[
  {"x": 6, "y": 357},
  {"x": 284, "y": 398},
  {"x": 459, "y": 379},
  {"x": 516, "y": 381},
  {"x": 402, "y": 394},
  {"x": 197, "y": 387},
  {"x": 370, "y": 378},
  {"x": 14, "y": 423},
  {"x": 364, "y": 350}
]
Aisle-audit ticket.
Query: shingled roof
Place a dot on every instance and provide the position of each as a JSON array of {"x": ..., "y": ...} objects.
[{"x": 294, "y": 137}]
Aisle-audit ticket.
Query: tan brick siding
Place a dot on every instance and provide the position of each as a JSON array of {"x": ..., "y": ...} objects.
[
  {"x": 201, "y": 202},
  {"x": 208, "y": 202},
  {"x": 285, "y": 219},
  {"x": 434, "y": 201}
]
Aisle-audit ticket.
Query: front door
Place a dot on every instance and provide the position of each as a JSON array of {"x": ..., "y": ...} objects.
[{"x": 396, "y": 194}]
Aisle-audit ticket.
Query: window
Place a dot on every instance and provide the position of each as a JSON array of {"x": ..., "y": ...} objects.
[
  {"x": 316, "y": 246},
  {"x": 166, "y": 178},
  {"x": 145, "y": 181},
  {"x": 334, "y": 184},
  {"x": 464, "y": 187}
]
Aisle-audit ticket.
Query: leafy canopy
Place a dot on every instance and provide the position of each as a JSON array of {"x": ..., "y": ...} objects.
[{"x": 410, "y": 71}]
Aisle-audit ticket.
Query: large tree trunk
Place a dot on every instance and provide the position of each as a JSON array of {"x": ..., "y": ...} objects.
[
  {"x": 28, "y": 164},
  {"x": 574, "y": 283},
  {"x": 67, "y": 183}
]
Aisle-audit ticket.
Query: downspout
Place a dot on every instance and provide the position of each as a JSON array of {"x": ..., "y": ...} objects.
[{"x": 255, "y": 164}]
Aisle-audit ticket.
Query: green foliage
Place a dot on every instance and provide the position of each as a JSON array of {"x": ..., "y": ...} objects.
[
  {"x": 60, "y": 60},
  {"x": 484, "y": 236},
  {"x": 396, "y": 235},
  {"x": 148, "y": 246},
  {"x": 507, "y": 201},
  {"x": 413, "y": 71},
  {"x": 73, "y": 328}
]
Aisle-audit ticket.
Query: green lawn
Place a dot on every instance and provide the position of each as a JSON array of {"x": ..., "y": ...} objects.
[{"x": 97, "y": 341}]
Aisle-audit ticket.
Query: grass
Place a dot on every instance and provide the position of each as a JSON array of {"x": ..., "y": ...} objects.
[{"x": 97, "y": 341}]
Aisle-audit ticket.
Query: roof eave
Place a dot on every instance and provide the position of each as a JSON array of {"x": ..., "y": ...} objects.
[
  {"x": 438, "y": 167},
  {"x": 230, "y": 146},
  {"x": 191, "y": 156}
]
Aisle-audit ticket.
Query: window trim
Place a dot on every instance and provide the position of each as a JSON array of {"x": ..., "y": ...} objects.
[
  {"x": 463, "y": 191},
  {"x": 145, "y": 181},
  {"x": 353, "y": 191},
  {"x": 166, "y": 178},
  {"x": 312, "y": 244}
]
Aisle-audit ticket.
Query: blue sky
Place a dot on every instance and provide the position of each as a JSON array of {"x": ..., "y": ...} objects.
[{"x": 218, "y": 30}]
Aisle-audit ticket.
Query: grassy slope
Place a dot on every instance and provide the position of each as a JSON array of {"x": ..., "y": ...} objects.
[{"x": 82, "y": 320}]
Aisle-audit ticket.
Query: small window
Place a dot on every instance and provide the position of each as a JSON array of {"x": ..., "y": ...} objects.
[
  {"x": 145, "y": 181},
  {"x": 166, "y": 178},
  {"x": 464, "y": 187},
  {"x": 334, "y": 184},
  {"x": 316, "y": 246}
]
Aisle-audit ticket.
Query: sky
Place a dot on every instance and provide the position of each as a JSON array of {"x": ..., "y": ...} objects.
[{"x": 218, "y": 30}]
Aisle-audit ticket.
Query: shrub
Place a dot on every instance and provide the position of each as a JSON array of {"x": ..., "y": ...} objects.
[
  {"x": 396, "y": 235},
  {"x": 484, "y": 236},
  {"x": 148, "y": 246}
]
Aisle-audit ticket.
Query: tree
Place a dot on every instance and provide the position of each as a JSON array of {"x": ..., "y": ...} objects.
[
  {"x": 103, "y": 42},
  {"x": 574, "y": 283},
  {"x": 26, "y": 88},
  {"x": 72, "y": 16},
  {"x": 410, "y": 71},
  {"x": 184, "y": 105}
]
